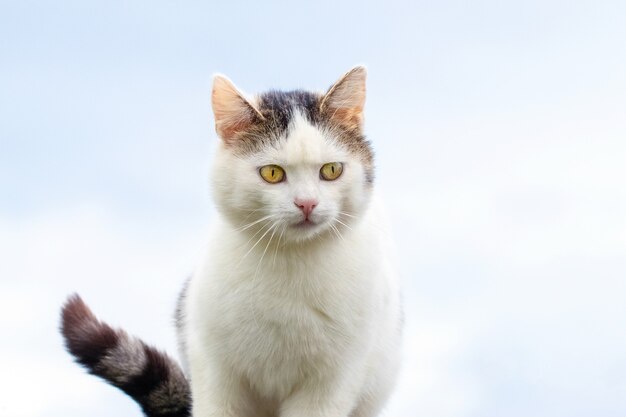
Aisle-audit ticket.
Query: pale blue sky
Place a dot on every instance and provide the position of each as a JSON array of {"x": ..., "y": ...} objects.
[{"x": 500, "y": 130}]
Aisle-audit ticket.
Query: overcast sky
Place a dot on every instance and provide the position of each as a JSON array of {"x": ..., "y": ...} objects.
[{"x": 500, "y": 132}]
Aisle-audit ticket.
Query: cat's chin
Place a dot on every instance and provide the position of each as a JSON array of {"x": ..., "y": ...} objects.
[{"x": 306, "y": 229}]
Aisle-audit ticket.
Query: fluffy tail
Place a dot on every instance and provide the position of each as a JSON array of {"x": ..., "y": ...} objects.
[{"x": 149, "y": 376}]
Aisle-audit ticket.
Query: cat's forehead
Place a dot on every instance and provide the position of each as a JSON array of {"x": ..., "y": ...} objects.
[
  {"x": 278, "y": 109},
  {"x": 292, "y": 121},
  {"x": 305, "y": 143}
]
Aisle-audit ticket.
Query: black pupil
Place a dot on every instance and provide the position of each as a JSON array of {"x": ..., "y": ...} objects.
[
  {"x": 272, "y": 172},
  {"x": 332, "y": 168}
]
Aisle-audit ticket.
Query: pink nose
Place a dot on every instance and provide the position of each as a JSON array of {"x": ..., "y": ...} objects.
[{"x": 306, "y": 205}]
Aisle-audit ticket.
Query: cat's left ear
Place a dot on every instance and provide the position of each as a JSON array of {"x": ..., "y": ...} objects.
[
  {"x": 233, "y": 112},
  {"x": 345, "y": 100}
]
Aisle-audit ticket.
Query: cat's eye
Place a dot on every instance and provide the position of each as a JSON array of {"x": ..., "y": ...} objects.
[
  {"x": 272, "y": 173},
  {"x": 331, "y": 171}
]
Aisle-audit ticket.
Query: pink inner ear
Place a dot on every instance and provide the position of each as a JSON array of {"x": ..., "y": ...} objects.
[
  {"x": 233, "y": 113},
  {"x": 351, "y": 118},
  {"x": 229, "y": 125},
  {"x": 345, "y": 100}
]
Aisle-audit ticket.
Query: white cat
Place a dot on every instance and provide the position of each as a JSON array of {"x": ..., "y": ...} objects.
[{"x": 296, "y": 310}]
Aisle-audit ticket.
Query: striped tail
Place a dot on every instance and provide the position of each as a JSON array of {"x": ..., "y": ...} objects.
[{"x": 147, "y": 375}]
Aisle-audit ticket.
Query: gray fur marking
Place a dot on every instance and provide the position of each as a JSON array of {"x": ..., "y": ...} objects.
[{"x": 125, "y": 361}]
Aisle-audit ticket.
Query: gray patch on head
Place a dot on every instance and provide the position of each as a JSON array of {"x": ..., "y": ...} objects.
[
  {"x": 123, "y": 362},
  {"x": 278, "y": 109}
]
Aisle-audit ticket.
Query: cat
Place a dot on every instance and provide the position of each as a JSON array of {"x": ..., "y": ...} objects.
[{"x": 296, "y": 310}]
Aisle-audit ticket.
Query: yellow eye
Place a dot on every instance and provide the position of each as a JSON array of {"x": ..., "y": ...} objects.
[
  {"x": 272, "y": 173},
  {"x": 331, "y": 171}
]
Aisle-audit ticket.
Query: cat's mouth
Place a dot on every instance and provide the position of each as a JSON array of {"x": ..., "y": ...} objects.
[{"x": 304, "y": 224}]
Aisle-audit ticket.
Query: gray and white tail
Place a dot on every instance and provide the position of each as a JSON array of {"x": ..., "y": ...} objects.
[{"x": 149, "y": 376}]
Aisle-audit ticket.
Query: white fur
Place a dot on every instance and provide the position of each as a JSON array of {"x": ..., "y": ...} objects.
[{"x": 289, "y": 321}]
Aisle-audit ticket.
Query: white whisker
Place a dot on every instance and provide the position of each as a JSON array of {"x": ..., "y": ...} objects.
[
  {"x": 345, "y": 225},
  {"x": 343, "y": 213},
  {"x": 249, "y": 225},
  {"x": 234, "y": 268},
  {"x": 251, "y": 212},
  {"x": 257, "y": 242},
  {"x": 334, "y": 229},
  {"x": 256, "y": 271},
  {"x": 257, "y": 232},
  {"x": 278, "y": 244}
]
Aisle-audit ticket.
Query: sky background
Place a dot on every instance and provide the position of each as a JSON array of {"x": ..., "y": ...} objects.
[{"x": 500, "y": 133}]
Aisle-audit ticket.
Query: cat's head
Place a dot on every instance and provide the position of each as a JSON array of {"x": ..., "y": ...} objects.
[{"x": 292, "y": 164}]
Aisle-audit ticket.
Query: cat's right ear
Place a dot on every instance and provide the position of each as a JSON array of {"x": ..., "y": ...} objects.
[{"x": 233, "y": 112}]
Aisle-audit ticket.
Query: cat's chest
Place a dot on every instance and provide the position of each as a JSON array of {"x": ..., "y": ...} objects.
[
  {"x": 277, "y": 319},
  {"x": 298, "y": 300},
  {"x": 276, "y": 337},
  {"x": 296, "y": 284},
  {"x": 292, "y": 316}
]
